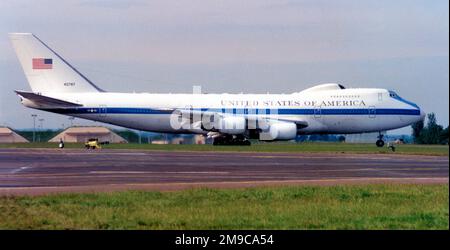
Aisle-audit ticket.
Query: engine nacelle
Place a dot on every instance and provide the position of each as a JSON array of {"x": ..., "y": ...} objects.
[
  {"x": 280, "y": 131},
  {"x": 232, "y": 125}
]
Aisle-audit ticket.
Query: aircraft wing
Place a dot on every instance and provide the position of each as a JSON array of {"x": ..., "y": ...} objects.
[
  {"x": 300, "y": 123},
  {"x": 190, "y": 114},
  {"x": 45, "y": 101}
]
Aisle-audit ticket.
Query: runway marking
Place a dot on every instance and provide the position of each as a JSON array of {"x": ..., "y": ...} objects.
[
  {"x": 78, "y": 153},
  {"x": 263, "y": 171},
  {"x": 321, "y": 157},
  {"x": 218, "y": 153},
  {"x": 306, "y": 180},
  {"x": 157, "y": 172},
  {"x": 19, "y": 170},
  {"x": 344, "y": 157},
  {"x": 106, "y": 153},
  {"x": 150, "y": 176},
  {"x": 238, "y": 172},
  {"x": 171, "y": 186},
  {"x": 71, "y": 170}
]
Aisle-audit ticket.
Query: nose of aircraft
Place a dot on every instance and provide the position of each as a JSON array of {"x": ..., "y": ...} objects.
[{"x": 422, "y": 114}]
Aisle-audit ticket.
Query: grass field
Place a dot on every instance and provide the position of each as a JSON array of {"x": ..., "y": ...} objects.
[
  {"x": 264, "y": 147},
  {"x": 399, "y": 206}
]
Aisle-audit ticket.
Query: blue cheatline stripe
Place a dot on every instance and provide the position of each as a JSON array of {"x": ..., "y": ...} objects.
[
  {"x": 360, "y": 111},
  {"x": 406, "y": 101}
]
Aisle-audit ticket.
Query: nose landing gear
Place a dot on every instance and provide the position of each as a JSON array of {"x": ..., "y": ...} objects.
[{"x": 380, "y": 142}]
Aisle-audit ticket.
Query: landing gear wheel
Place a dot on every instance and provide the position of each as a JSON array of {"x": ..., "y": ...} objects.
[
  {"x": 218, "y": 141},
  {"x": 246, "y": 143},
  {"x": 230, "y": 140},
  {"x": 380, "y": 143}
]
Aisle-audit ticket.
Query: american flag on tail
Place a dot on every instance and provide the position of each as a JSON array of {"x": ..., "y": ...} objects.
[{"x": 42, "y": 63}]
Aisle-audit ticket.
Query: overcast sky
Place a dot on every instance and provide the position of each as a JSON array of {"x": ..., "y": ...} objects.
[{"x": 253, "y": 46}]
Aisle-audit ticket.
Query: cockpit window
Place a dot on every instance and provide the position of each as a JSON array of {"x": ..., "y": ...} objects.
[{"x": 393, "y": 94}]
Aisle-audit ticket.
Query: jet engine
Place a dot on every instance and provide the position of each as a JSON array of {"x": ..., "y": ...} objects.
[
  {"x": 280, "y": 131},
  {"x": 233, "y": 125}
]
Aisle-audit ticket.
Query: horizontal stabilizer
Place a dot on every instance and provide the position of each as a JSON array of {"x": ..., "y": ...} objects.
[{"x": 45, "y": 101}]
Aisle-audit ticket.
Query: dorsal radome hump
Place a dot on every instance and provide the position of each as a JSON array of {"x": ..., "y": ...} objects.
[{"x": 324, "y": 87}]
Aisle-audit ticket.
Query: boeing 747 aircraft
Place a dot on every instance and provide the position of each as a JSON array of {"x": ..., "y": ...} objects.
[{"x": 230, "y": 119}]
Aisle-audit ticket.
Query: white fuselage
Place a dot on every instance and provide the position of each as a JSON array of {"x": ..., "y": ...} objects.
[{"x": 325, "y": 109}]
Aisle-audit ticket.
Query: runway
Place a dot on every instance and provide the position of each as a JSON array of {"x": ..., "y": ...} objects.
[{"x": 42, "y": 171}]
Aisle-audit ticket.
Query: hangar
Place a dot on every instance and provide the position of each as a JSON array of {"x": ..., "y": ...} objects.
[
  {"x": 7, "y": 135},
  {"x": 82, "y": 134}
]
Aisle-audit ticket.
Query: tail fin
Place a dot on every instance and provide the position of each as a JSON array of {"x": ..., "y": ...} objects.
[{"x": 47, "y": 71}]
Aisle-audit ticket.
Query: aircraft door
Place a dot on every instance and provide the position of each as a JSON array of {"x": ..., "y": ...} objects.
[
  {"x": 102, "y": 110},
  {"x": 380, "y": 97},
  {"x": 372, "y": 112},
  {"x": 317, "y": 112},
  {"x": 191, "y": 113}
]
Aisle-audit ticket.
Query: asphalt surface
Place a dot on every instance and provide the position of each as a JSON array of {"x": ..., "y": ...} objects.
[{"x": 41, "y": 171}]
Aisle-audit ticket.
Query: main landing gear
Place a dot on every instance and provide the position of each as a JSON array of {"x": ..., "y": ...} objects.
[
  {"x": 231, "y": 140},
  {"x": 380, "y": 142}
]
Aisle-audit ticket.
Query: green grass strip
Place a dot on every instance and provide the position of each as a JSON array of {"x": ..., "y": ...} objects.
[{"x": 378, "y": 206}]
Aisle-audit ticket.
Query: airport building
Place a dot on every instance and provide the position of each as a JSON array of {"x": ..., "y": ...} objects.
[
  {"x": 7, "y": 135},
  {"x": 189, "y": 139},
  {"x": 180, "y": 139},
  {"x": 82, "y": 134}
]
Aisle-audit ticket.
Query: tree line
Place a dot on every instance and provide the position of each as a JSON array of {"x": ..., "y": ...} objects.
[{"x": 432, "y": 133}]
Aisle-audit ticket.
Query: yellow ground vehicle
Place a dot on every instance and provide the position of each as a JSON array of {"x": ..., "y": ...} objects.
[{"x": 92, "y": 144}]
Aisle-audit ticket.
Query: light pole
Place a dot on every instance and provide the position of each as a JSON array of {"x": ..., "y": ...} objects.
[
  {"x": 34, "y": 127},
  {"x": 40, "y": 123},
  {"x": 41, "y": 120},
  {"x": 71, "y": 121}
]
